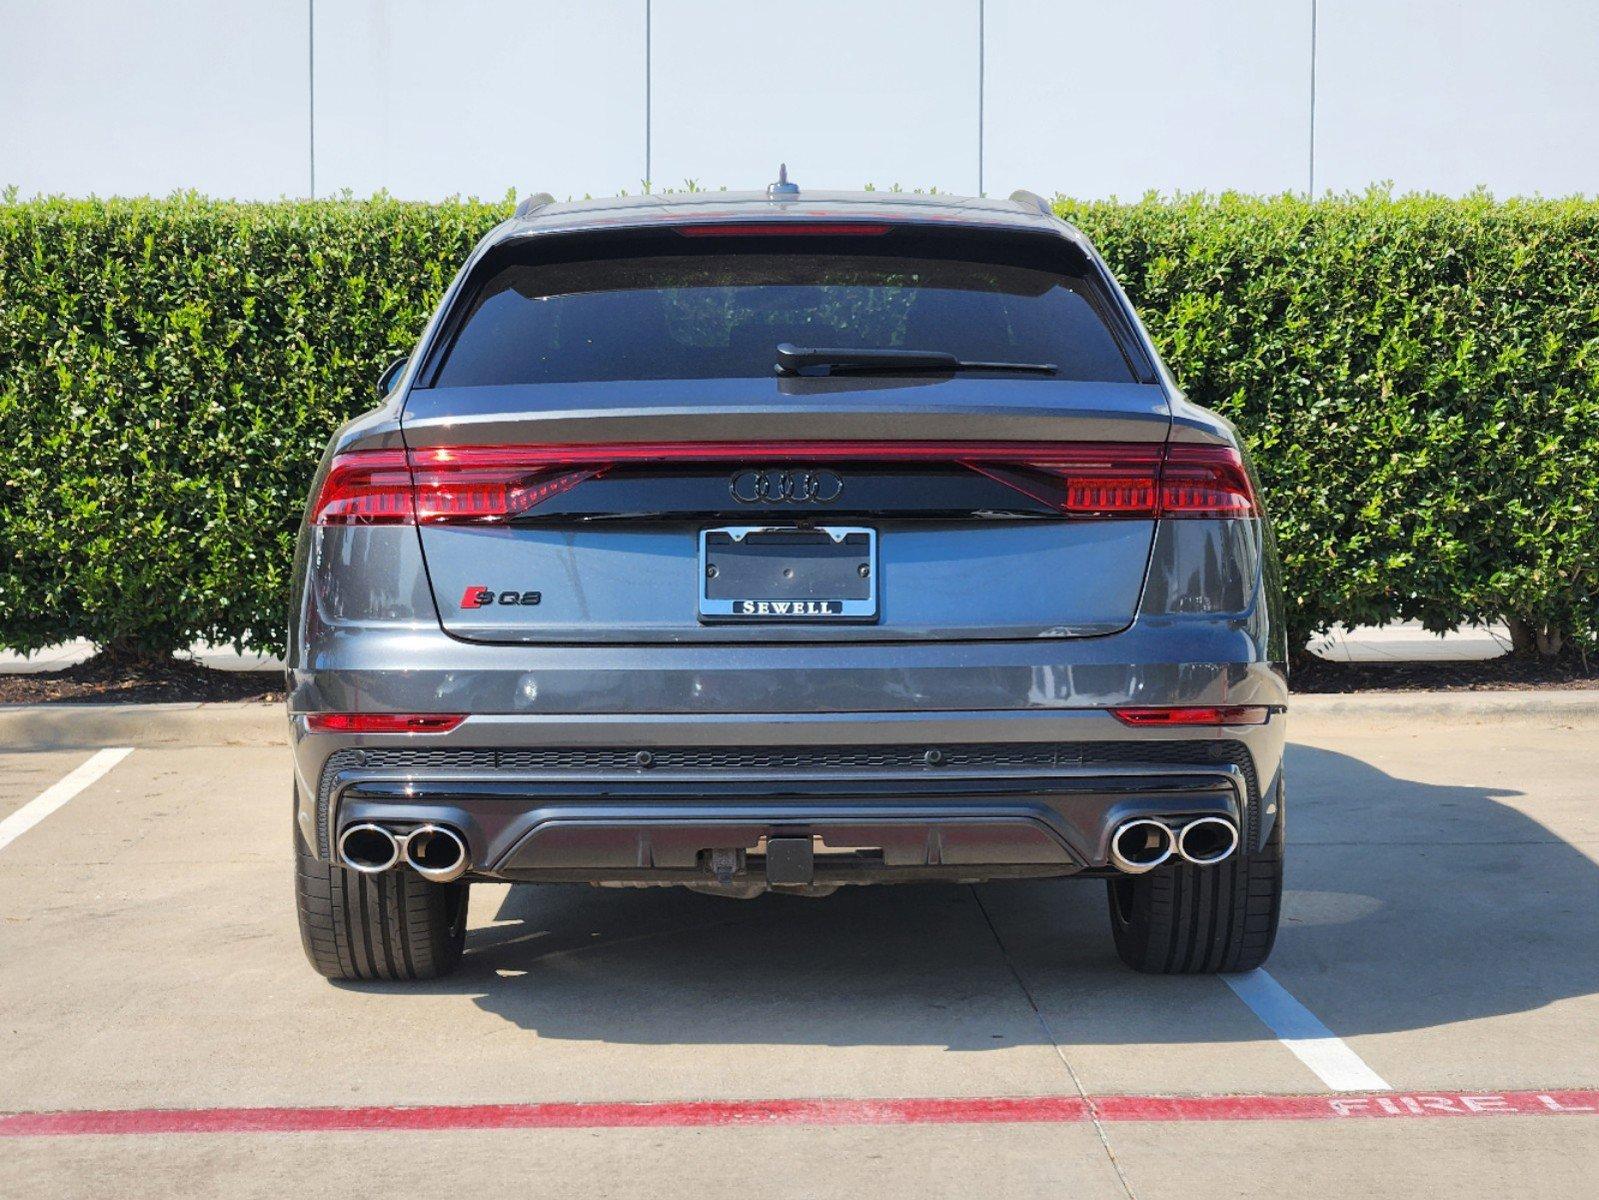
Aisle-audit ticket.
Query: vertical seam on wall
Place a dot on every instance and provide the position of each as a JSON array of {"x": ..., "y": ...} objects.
[
  {"x": 648, "y": 90},
  {"x": 982, "y": 65},
  {"x": 310, "y": 88},
  {"x": 1311, "y": 187}
]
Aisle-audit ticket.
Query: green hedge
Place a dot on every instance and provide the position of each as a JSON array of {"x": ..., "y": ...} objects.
[{"x": 1418, "y": 379}]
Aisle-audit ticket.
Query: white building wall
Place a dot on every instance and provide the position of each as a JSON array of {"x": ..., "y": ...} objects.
[
  {"x": 1116, "y": 99},
  {"x": 476, "y": 96},
  {"x": 1447, "y": 95},
  {"x": 122, "y": 97},
  {"x": 1092, "y": 98},
  {"x": 848, "y": 92}
]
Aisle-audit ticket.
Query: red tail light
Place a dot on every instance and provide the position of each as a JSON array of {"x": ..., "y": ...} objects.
[
  {"x": 1225, "y": 714},
  {"x": 435, "y": 487},
  {"x": 447, "y": 484},
  {"x": 1205, "y": 481},
  {"x": 368, "y": 487},
  {"x": 1108, "y": 479},
  {"x": 487, "y": 483},
  {"x": 383, "y": 722}
]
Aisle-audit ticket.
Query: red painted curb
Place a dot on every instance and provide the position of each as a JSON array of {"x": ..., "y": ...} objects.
[{"x": 699, "y": 1113}]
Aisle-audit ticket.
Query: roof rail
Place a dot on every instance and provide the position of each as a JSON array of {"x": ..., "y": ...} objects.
[
  {"x": 1032, "y": 200},
  {"x": 532, "y": 204}
]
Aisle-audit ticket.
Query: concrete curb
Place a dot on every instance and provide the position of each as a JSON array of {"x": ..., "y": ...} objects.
[
  {"x": 69, "y": 726},
  {"x": 252, "y": 723},
  {"x": 1548, "y": 704}
]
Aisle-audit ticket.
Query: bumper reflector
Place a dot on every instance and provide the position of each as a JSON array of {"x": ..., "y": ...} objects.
[
  {"x": 1207, "y": 714},
  {"x": 383, "y": 722}
]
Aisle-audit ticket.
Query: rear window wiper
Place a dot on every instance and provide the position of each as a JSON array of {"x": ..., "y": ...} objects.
[{"x": 817, "y": 360}]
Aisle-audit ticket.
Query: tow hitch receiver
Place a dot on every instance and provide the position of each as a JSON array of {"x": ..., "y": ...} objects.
[{"x": 790, "y": 860}]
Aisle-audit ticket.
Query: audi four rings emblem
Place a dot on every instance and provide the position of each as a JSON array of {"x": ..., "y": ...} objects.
[{"x": 786, "y": 487}]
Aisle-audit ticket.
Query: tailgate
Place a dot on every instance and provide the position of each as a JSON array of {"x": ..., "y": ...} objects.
[{"x": 667, "y": 514}]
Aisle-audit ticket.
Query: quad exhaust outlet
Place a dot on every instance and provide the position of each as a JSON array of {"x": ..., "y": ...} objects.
[
  {"x": 435, "y": 852},
  {"x": 1141, "y": 845},
  {"x": 369, "y": 849},
  {"x": 1207, "y": 840},
  {"x": 1144, "y": 843}
]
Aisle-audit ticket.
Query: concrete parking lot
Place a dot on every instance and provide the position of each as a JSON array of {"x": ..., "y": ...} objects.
[{"x": 1429, "y": 1023}]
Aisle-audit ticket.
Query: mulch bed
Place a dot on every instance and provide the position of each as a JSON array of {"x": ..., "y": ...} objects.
[
  {"x": 102, "y": 681},
  {"x": 1507, "y": 673},
  {"x": 105, "y": 681}
]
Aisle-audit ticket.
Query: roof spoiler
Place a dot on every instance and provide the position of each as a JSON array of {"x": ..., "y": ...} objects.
[
  {"x": 1032, "y": 200},
  {"x": 532, "y": 204}
]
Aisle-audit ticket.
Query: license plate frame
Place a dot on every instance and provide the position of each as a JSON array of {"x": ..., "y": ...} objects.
[{"x": 765, "y": 610}]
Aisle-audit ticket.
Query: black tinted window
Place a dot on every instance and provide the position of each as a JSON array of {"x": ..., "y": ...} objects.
[{"x": 722, "y": 315}]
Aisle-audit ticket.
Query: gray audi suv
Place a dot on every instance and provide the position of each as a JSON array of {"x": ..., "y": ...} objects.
[{"x": 785, "y": 541}]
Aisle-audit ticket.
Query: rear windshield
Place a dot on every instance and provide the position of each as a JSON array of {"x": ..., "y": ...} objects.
[{"x": 666, "y": 312}]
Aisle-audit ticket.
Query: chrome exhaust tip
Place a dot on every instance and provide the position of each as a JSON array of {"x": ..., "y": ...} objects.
[
  {"x": 1140, "y": 845},
  {"x": 1207, "y": 841},
  {"x": 437, "y": 853},
  {"x": 369, "y": 849}
]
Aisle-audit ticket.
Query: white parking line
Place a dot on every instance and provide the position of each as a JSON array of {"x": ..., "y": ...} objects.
[
  {"x": 1311, "y": 1042},
  {"x": 57, "y": 794}
]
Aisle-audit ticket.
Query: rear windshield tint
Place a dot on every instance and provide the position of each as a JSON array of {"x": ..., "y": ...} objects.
[{"x": 719, "y": 310}]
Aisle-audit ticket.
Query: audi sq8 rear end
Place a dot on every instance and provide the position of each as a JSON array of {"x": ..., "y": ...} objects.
[{"x": 785, "y": 541}]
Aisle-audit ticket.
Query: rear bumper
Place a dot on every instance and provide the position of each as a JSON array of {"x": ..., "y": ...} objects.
[
  {"x": 859, "y": 834},
  {"x": 959, "y": 758},
  {"x": 1177, "y": 659},
  {"x": 881, "y": 798}
]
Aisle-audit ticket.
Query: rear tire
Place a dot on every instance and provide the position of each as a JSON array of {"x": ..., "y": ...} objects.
[
  {"x": 394, "y": 926},
  {"x": 1186, "y": 920}
]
